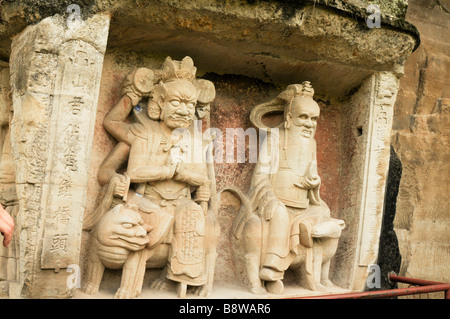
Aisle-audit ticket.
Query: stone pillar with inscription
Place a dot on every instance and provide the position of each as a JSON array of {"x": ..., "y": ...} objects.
[
  {"x": 368, "y": 124},
  {"x": 56, "y": 67},
  {"x": 383, "y": 94}
]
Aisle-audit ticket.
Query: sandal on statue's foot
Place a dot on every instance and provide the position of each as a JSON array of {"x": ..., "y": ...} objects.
[{"x": 270, "y": 274}]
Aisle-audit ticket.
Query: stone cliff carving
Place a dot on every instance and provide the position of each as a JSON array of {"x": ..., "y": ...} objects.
[
  {"x": 170, "y": 189},
  {"x": 284, "y": 223},
  {"x": 8, "y": 194}
]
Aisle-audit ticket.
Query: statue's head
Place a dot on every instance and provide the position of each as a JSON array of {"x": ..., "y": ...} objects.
[
  {"x": 177, "y": 100},
  {"x": 302, "y": 113},
  {"x": 175, "y": 97},
  {"x": 122, "y": 227}
]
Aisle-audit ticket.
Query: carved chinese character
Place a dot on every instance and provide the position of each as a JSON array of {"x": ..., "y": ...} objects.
[
  {"x": 71, "y": 147},
  {"x": 62, "y": 215},
  {"x": 65, "y": 187},
  {"x": 75, "y": 105},
  {"x": 59, "y": 243}
]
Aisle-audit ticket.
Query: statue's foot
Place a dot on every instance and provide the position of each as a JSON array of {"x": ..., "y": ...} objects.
[
  {"x": 123, "y": 294},
  {"x": 320, "y": 287},
  {"x": 270, "y": 274},
  {"x": 258, "y": 290},
  {"x": 275, "y": 287},
  {"x": 91, "y": 289},
  {"x": 136, "y": 293}
]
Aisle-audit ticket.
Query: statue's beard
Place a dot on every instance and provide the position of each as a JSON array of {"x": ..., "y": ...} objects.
[{"x": 301, "y": 148}]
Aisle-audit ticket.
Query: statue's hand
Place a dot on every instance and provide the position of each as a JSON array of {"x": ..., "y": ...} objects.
[
  {"x": 134, "y": 97},
  {"x": 120, "y": 186},
  {"x": 313, "y": 181},
  {"x": 170, "y": 170},
  {"x": 271, "y": 208},
  {"x": 308, "y": 182}
]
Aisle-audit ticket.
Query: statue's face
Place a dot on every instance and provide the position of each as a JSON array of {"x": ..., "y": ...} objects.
[
  {"x": 304, "y": 115},
  {"x": 122, "y": 227},
  {"x": 178, "y": 109},
  {"x": 153, "y": 110}
]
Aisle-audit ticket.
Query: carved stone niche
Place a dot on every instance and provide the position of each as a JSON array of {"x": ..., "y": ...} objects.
[{"x": 250, "y": 52}]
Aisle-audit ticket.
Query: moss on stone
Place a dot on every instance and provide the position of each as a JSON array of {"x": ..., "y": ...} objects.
[{"x": 394, "y": 8}]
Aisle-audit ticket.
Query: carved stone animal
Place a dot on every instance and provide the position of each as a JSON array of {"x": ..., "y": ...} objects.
[
  {"x": 118, "y": 233},
  {"x": 121, "y": 240},
  {"x": 310, "y": 261},
  {"x": 313, "y": 276},
  {"x": 158, "y": 257},
  {"x": 326, "y": 237}
]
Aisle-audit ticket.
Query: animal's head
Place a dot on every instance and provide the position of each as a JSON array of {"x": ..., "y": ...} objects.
[
  {"x": 123, "y": 227},
  {"x": 331, "y": 228}
]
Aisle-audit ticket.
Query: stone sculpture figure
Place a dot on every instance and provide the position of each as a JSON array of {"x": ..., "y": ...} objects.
[
  {"x": 160, "y": 178},
  {"x": 8, "y": 195},
  {"x": 119, "y": 232},
  {"x": 285, "y": 223}
]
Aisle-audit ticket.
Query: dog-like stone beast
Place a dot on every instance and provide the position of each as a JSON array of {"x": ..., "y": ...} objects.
[{"x": 118, "y": 233}]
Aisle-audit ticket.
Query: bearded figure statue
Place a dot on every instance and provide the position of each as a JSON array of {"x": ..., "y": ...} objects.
[{"x": 287, "y": 224}]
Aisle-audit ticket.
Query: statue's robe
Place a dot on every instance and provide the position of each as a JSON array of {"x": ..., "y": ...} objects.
[{"x": 152, "y": 150}]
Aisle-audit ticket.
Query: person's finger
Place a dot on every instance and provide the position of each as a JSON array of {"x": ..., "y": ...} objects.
[
  {"x": 7, "y": 219},
  {"x": 7, "y": 234},
  {"x": 4, "y": 215},
  {"x": 7, "y": 239},
  {"x": 6, "y": 224}
]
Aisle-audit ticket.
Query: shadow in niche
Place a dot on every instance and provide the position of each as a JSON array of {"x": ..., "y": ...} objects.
[{"x": 389, "y": 258}]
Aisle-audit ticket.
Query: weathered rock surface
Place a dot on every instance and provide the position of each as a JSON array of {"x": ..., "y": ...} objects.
[{"x": 421, "y": 138}]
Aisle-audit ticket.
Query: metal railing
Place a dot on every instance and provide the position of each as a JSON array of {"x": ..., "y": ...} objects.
[{"x": 421, "y": 287}]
